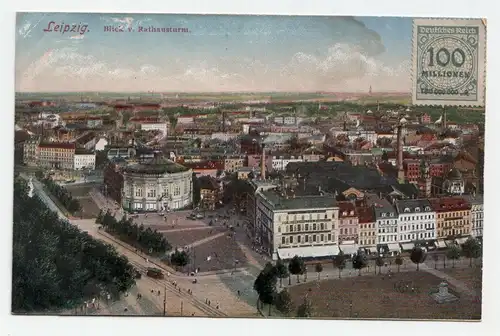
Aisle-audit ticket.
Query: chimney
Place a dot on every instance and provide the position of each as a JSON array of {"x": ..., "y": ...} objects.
[
  {"x": 399, "y": 162},
  {"x": 263, "y": 163}
]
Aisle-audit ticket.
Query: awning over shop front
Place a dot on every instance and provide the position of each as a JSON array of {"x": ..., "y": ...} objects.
[
  {"x": 407, "y": 246},
  {"x": 461, "y": 241},
  {"x": 393, "y": 247},
  {"x": 371, "y": 249},
  {"x": 349, "y": 248},
  {"x": 449, "y": 243},
  {"x": 440, "y": 243},
  {"x": 308, "y": 252}
]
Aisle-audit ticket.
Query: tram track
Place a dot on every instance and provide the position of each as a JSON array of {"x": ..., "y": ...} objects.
[{"x": 205, "y": 308}]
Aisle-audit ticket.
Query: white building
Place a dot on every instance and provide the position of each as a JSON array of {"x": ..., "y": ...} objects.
[
  {"x": 416, "y": 222},
  {"x": 153, "y": 126},
  {"x": 185, "y": 120},
  {"x": 279, "y": 162},
  {"x": 306, "y": 226},
  {"x": 84, "y": 160},
  {"x": 155, "y": 186},
  {"x": 101, "y": 144},
  {"x": 476, "y": 214},
  {"x": 387, "y": 226}
]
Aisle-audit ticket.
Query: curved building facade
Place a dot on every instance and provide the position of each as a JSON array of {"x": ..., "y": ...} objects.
[{"x": 157, "y": 185}]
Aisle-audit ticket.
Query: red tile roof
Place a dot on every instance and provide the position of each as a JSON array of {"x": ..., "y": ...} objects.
[
  {"x": 365, "y": 215},
  {"x": 62, "y": 145},
  {"x": 447, "y": 204}
]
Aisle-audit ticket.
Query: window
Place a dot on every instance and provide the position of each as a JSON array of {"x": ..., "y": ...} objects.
[
  {"x": 291, "y": 228},
  {"x": 322, "y": 225},
  {"x": 417, "y": 209},
  {"x": 299, "y": 227},
  {"x": 314, "y": 227},
  {"x": 283, "y": 240},
  {"x": 151, "y": 193},
  {"x": 177, "y": 190},
  {"x": 291, "y": 239},
  {"x": 329, "y": 236},
  {"x": 138, "y": 192},
  {"x": 314, "y": 238},
  {"x": 407, "y": 210},
  {"x": 298, "y": 239},
  {"x": 307, "y": 238},
  {"x": 307, "y": 227},
  {"x": 322, "y": 237}
]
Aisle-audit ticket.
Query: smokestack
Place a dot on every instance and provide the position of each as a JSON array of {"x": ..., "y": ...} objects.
[
  {"x": 399, "y": 162},
  {"x": 263, "y": 163}
]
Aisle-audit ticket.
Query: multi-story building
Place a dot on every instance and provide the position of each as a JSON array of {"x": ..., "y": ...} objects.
[
  {"x": 87, "y": 141},
  {"x": 231, "y": 164},
  {"x": 155, "y": 186},
  {"x": 155, "y": 126},
  {"x": 278, "y": 162},
  {"x": 348, "y": 228},
  {"x": 58, "y": 155},
  {"x": 84, "y": 159},
  {"x": 210, "y": 192},
  {"x": 306, "y": 226},
  {"x": 476, "y": 214},
  {"x": 30, "y": 150},
  {"x": 387, "y": 226},
  {"x": 256, "y": 186},
  {"x": 416, "y": 222},
  {"x": 367, "y": 228},
  {"x": 453, "y": 217}
]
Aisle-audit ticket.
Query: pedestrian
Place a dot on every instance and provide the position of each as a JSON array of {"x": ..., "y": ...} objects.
[
  {"x": 238, "y": 293},
  {"x": 192, "y": 314},
  {"x": 209, "y": 302},
  {"x": 158, "y": 293},
  {"x": 217, "y": 306}
]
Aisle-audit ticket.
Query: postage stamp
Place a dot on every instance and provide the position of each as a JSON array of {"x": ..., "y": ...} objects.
[{"x": 449, "y": 59}]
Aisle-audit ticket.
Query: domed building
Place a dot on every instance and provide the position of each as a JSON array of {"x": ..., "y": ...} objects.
[
  {"x": 157, "y": 185},
  {"x": 454, "y": 183}
]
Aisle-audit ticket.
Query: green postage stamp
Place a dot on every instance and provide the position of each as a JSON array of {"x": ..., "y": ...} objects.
[{"x": 449, "y": 62}]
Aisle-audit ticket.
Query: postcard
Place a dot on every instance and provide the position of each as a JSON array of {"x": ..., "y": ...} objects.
[{"x": 318, "y": 167}]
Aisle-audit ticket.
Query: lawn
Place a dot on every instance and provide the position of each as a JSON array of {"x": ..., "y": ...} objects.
[
  {"x": 471, "y": 277},
  {"x": 375, "y": 297}
]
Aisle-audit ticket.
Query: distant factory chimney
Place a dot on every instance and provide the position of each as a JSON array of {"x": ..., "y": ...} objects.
[
  {"x": 263, "y": 163},
  {"x": 399, "y": 162}
]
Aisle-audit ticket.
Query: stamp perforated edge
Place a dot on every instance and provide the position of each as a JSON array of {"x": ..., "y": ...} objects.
[{"x": 481, "y": 98}]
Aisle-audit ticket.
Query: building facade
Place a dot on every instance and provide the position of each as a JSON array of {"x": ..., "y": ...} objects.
[
  {"x": 84, "y": 159},
  {"x": 348, "y": 228},
  {"x": 476, "y": 215},
  {"x": 387, "y": 227},
  {"x": 453, "y": 217},
  {"x": 57, "y": 155},
  {"x": 232, "y": 164},
  {"x": 30, "y": 151},
  {"x": 157, "y": 186},
  {"x": 367, "y": 229},
  {"x": 416, "y": 222},
  {"x": 306, "y": 226}
]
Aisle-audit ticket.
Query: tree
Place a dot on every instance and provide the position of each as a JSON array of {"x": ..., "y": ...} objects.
[
  {"x": 399, "y": 261},
  {"x": 265, "y": 285},
  {"x": 359, "y": 262},
  {"x": 453, "y": 253},
  {"x": 296, "y": 266},
  {"x": 55, "y": 265},
  {"x": 319, "y": 269},
  {"x": 339, "y": 262},
  {"x": 179, "y": 258},
  {"x": 281, "y": 271},
  {"x": 305, "y": 309},
  {"x": 418, "y": 256},
  {"x": 471, "y": 249},
  {"x": 379, "y": 262},
  {"x": 283, "y": 302}
]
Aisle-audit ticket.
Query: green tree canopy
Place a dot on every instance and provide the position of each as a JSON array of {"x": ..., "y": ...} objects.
[
  {"x": 472, "y": 249},
  {"x": 55, "y": 265},
  {"x": 418, "y": 256},
  {"x": 179, "y": 258},
  {"x": 281, "y": 271},
  {"x": 339, "y": 262},
  {"x": 297, "y": 266},
  {"x": 399, "y": 261},
  {"x": 453, "y": 253},
  {"x": 359, "y": 261}
]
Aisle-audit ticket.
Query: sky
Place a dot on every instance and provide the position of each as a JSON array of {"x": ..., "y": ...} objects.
[{"x": 211, "y": 53}]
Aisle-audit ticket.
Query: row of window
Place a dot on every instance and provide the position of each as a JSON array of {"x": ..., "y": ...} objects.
[
  {"x": 425, "y": 226},
  {"x": 369, "y": 233},
  {"x": 348, "y": 230},
  {"x": 421, "y": 235},
  {"x": 367, "y": 242},
  {"x": 367, "y": 226},
  {"x": 307, "y": 227},
  {"x": 393, "y": 229},
  {"x": 455, "y": 222},
  {"x": 307, "y": 238},
  {"x": 291, "y": 218},
  {"x": 391, "y": 238},
  {"x": 413, "y": 218}
]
